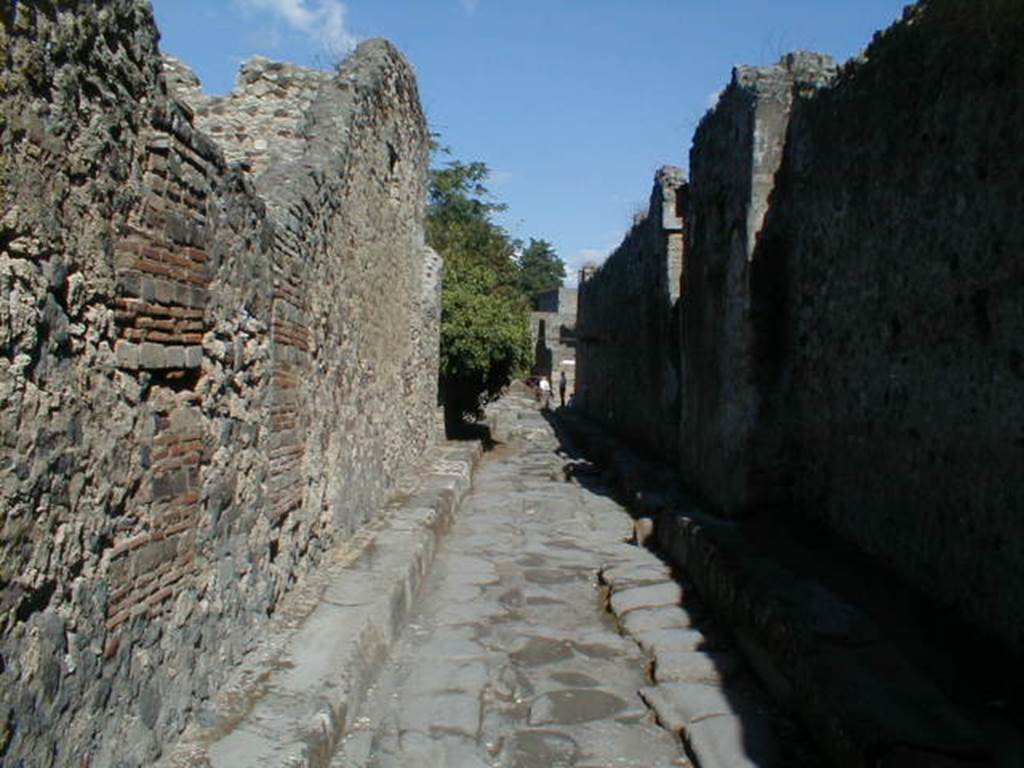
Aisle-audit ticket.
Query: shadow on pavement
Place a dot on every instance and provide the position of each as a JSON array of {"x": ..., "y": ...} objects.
[
  {"x": 879, "y": 673},
  {"x": 754, "y": 730}
]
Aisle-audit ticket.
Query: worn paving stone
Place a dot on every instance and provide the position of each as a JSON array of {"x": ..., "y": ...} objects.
[
  {"x": 695, "y": 667},
  {"x": 729, "y": 741},
  {"x": 658, "y": 642},
  {"x": 575, "y": 705},
  {"x": 651, "y": 596},
  {"x": 643, "y": 620},
  {"x": 440, "y": 712},
  {"x": 514, "y": 602},
  {"x": 679, "y": 705},
  {"x": 537, "y": 747}
]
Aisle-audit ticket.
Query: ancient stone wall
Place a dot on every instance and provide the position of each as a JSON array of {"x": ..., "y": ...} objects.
[
  {"x": 888, "y": 289},
  {"x": 736, "y": 152},
  {"x": 208, "y": 377},
  {"x": 553, "y": 335},
  {"x": 627, "y": 350}
]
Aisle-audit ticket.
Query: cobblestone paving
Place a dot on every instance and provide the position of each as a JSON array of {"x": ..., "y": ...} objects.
[{"x": 511, "y": 658}]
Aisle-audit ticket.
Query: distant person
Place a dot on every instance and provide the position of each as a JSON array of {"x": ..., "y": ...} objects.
[
  {"x": 545, "y": 392},
  {"x": 562, "y": 384}
]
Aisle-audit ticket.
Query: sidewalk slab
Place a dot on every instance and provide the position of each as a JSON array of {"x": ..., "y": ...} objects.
[{"x": 291, "y": 702}]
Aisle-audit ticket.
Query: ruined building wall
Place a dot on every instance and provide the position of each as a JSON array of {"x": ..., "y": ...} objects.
[
  {"x": 627, "y": 348},
  {"x": 259, "y": 124},
  {"x": 736, "y": 152},
  {"x": 553, "y": 336},
  {"x": 851, "y": 316},
  {"x": 888, "y": 300},
  {"x": 208, "y": 377}
]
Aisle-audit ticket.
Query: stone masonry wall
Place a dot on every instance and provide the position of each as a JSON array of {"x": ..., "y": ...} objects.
[
  {"x": 208, "y": 375},
  {"x": 736, "y": 152},
  {"x": 889, "y": 307},
  {"x": 261, "y": 123},
  {"x": 553, "y": 334},
  {"x": 627, "y": 363}
]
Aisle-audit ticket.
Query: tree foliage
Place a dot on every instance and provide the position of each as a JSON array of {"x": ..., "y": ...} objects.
[
  {"x": 540, "y": 268},
  {"x": 485, "y": 335}
]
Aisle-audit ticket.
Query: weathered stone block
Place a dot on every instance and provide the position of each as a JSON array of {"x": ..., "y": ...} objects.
[
  {"x": 164, "y": 291},
  {"x": 193, "y": 357},
  {"x": 174, "y": 357},
  {"x": 152, "y": 355},
  {"x": 127, "y": 355}
]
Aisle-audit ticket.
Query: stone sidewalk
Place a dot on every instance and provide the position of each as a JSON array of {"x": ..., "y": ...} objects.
[
  {"x": 292, "y": 699},
  {"x": 512, "y": 624},
  {"x": 543, "y": 638}
]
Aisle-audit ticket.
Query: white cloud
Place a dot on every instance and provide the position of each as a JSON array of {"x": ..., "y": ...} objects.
[
  {"x": 469, "y": 6},
  {"x": 322, "y": 20}
]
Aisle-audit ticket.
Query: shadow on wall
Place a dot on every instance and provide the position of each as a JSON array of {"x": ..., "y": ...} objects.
[{"x": 543, "y": 357}]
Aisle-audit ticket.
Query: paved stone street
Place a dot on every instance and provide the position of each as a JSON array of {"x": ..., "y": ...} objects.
[{"x": 511, "y": 658}]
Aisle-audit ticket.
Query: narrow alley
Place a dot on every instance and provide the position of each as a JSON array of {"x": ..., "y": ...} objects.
[{"x": 511, "y": 657}]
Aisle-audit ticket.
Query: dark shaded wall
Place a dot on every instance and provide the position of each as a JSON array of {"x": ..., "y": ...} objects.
[
  {"x": 626, "y": 357},
  {"x": 209, "y": 375},
  {"x": 736, "y": 152},
  {"x": 889, "y": 305},
  {"x": 852, "y": 306}
]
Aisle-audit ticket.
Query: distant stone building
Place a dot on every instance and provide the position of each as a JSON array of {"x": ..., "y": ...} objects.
[{"x": 553, "y": 333}]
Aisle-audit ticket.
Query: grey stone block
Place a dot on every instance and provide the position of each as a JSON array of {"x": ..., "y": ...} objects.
[
  {"x": 729, "y": 741},
  {"x": 666, "y": 593},
  {"x": 193, "y": 357},
  {"x": 695, "y": 667},
  {"x": 165, "y": 291},
  {"x": 174, "y": 357},
  {"x": 127, "y": 355},
  {"x": 679, "y": 705},
  {"x": 151, "y": 355}
]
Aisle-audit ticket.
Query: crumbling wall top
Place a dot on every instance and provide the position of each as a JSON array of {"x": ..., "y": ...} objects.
[
  {"x": 800, "y": 68},
  {"x": 261, "y": 122}
]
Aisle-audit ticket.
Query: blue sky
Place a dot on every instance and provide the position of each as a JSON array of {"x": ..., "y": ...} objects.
[{"x": 573, "y": 104}]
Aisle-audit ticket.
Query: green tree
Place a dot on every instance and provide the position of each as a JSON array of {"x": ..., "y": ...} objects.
[
  {"x": 540, "y": 268},
  {"x": 485, "y": 335}
]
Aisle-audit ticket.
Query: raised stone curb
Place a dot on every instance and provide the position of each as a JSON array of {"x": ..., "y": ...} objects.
[
  {"x": 292, "y": 700},
  {"x": 863, "y": 701},
  {"x": 694, "y": 682}
]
